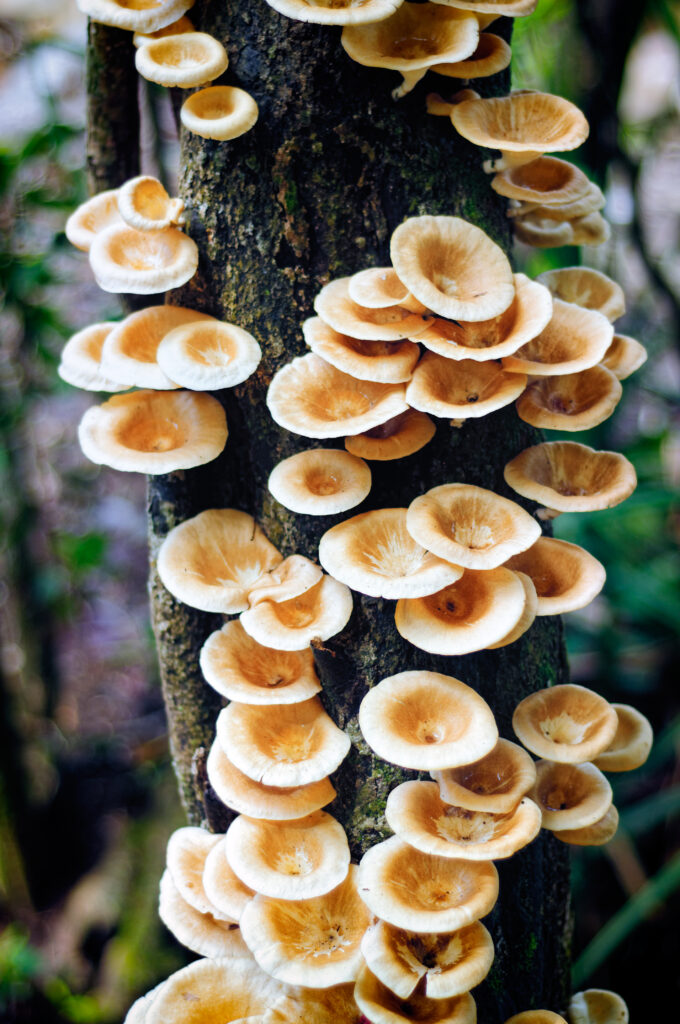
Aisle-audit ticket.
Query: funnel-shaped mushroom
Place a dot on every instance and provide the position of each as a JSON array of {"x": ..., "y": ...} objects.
[
  {"x": 624, "y": 356},
  {"x": 92, "y": 217},
  {"x": 421, "y": 893},
  {"x": 573, "y": 210},
  {"x": 451, "y": 963},
  {"x": 185, "y": 858},
  {"x": 175, "y": 28},
  {"x": 285, "y": 745},
  {"x": 571, "y": 477},
  {"x": 291, "y": 578},
  {"x": 80, "y": 363},
  {"x": 135, "y": 15},
  {"x": 318, "y": 614},
  {"x": 202, "y": 933},
  {"x": 496, "y": 783},
  {"x": 375, "y": 554},
  {"x": 566, "y": 723},
  {"x": 130, "y": 352},
  {"x": 398, "y": 437},
  {"x": 491, "y": 56},
  {"x": 597, "y": 1006},
  {"x": 389, "y": 362},
  {"x": 211, "y": 561},
  {"x": 597, "y": 834},
  {"x": 154, "y": 431},
  {"x": 224, "y": 889},
  {"x": 320, "y": 482},
  {"x": 219, "y": 112},
  {"x": 543, "y": 182},
  {"x": 387, "y": 323},
  {"x": 182, "y": 61},
  {"x": 465, "y": 389},
  {"x": 312, "y": 942},
  {"x": 426, "y": 720},
  {"x": 142, "y": 262},
  {"x": 631, "y": 744},
  {"x": 452, "y": 267},
  {"x": 573, "y": 340},
  {"x": 570, "y": 795},
  {"x": 378, "y": 287},
  {"x": 209, "y": 355},
  {"x": 144, "y": 203},
  {"x": 336, "y": 12},
  {"x": 588, "y": 288},
  {"x": 384, "y": 1007},
  {"x": 543, "y": 232},
  {"x": 317, "y": 1006},
  {"x": 566, "y": 576},
  {"x": 572, "y": 401}
]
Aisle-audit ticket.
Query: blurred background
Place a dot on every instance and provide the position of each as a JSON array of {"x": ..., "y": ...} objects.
[{"x": 87, "y": 796}]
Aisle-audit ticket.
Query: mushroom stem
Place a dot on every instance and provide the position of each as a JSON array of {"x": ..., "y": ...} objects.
[
  {"x": 546, "y": 514},
  {"x": 411, "y": 79}
]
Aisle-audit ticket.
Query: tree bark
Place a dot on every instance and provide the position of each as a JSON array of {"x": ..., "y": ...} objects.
[{"x": 313, "y": 192}]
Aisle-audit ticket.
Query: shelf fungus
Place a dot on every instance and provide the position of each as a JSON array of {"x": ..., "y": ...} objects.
[
  {"x": 92, "y": 217},
  {"x": 144, "y": 203},
  {"x": 208, "y": 355},
  {"x": 320, "y": 481},
  {"x": 573, "y": 340},
  {"x": 566, "y": 576},
  {"x": 80, "y": 361},
  {"x": 496, "y": 782},
  {"x": 631, "y": 744},
  {"x": 465, "y": 389},
  {"x": 566, "y": 723},
  {"x": 182, "y": 61},
  {"x": 388, "y": 362},
  {"x": 571, "y": 401},
  {"x": 588, "y": 288},
  {"x": 396, "y": 438},
  {"x": 384, "y": 1007},
  {"x": 220, "y": 112},
  {"x": 570, "y": 795},
  {"x": 142, "y": 262}
]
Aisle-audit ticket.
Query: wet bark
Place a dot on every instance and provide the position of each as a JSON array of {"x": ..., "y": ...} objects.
[{"x": 314, "y": 191}]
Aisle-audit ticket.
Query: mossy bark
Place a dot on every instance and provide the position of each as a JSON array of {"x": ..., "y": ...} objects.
[
  {"x": 314, "y": 191},
  {"x": 112, "y": 108}
]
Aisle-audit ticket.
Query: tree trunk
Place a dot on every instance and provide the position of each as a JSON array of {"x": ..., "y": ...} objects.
[{"x": 313, "y": 192}]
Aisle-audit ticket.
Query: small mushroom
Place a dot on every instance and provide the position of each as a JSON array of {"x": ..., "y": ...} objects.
[
  {"x": 527, "y": 617},
  {"x": 566, "y": 576},
  {"x": 573, "y": 340},
  {"x": 496, "y": 782},
  {"x": 387, "y": 323},
  {"x": 92, "y": 217},
  {"x": 182, "y": 61},
  {"x": 396, "y": 438},
  {"x": 384, "y": 1007},
  {"x": 631, "y": 744},
  {"x": 144, "y": 203},
  {"x": 291, "y": 578},
  {"x": 220, "y": 112},
  {"x": 597, "y": 834},
  {"x": 208, "y": 355},
  {"x": 491, "y": 56},
  {"x": 317, "y": 614},
  {"x": 320, "y": 481},
  {"x": 571, "y": 401},
  {"x": 588, "y": 288},
  {"x": 224, "y": 889},
  {"x": 80, "y": 362},
  {"x": 536, "y": 1017},
  {"x": 137, "y": 17},
  {"x": 570, "y": 796},
  {"x": 336, "y": 12},
  {"x": 378, "y": 287},
  {"x": 185, "y": 858},
  {"x": 624, "y": 356},
  {"x": 597, "y": 1006},
  {"x": 566, "y": 723},
  {"x": 200, "y": 932},
  {"x": 543, "y": 182},
  {"x": 142, "y": 262},
  {"x": 182, "y": 24}
]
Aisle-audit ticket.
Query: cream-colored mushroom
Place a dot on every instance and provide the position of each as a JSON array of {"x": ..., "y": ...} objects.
[
  {"x": 320, "y": 481},
  {"x": 567, "y": 723},
  {"x": 496, "y": 782},
  {"x": 385, "y": 1007}
]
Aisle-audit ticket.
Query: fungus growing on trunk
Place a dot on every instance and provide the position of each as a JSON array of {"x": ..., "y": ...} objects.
[
  {"x": 566, "y": 723},
  {"x": 219, "y": 112},
  {"x": 320, "y": 481}
]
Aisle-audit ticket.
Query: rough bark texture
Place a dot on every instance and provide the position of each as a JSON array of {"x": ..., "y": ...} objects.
[
  {"x": 112, "y": 108},
  {"x": 314, "y": 191}
]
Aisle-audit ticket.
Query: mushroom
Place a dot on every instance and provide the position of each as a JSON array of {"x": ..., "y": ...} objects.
[
  {"x": 142, "y": 262},
  {"x": 463, "y": 389},
  {"x": 185, "y": 858},
  {"x": 592, "y": 229},
  {"x": 182, "y": 24},
  {"x": 375, "y": 554},
  {"x": 597, "y": 1006},
  {"x": 80, "y": 362},
  {"x": 527, "y": 617},
  {"x": 536, "y": 1017},
  {"x": 421, "y": 893},
  {"x": 387, "y": 323},
  {"x": 426, "y": 720},
  {"x": 317, "y": 1006},
  {"x": 208, "y": 355},
  {"x": 148, "y": 16},
  {"x": 589, "y": 201},
  {"x": 396, "y": 438},
  {"x": 389, "y": 362},
  {"x": 291, "y": 578},
  {"x": 624, "y": 356},
  {"x": 182, "y": 61},
  {"x": 573, "y": 340},
  {"x": 320, "y": 482},
  {"x": 336, "y": 12},
  {"x": 570, "y": 795},
  {"x": 284, "y": 745},
  {"x": 211, "y": 561},
  {"x": 597, "y": 834},
  {"x": 317, "y": 614},
  {"x": 154, "y": 431},
  {"x": 572, "y": 401},
  {"x": 544, "y": 182},
  {"x": 219, "y": 112},
  {"x": 224, "y": 889},
  {"x": 378, "y": 287},
  {"x": 631, "y": 744},
  {"x": 588, "y": 288},
  {"x": 144, "y": 203},
  {"x": 566, "y": 723},
  {"x": 384, "y": 1007},
  {"x": 496, "y": 782},
  {"x": 543, "y": 232},
  {"x": 491, "y": 56},
  {"x": 92, "y": 217},
  {"x": 566, "y": 576},
  {"x": 509, "y": 8},
  {"x": 200, "y": 932}
]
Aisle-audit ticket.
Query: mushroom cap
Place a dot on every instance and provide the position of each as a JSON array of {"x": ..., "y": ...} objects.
[
  {"x": 418, "y": 815},
  {"x": 185, "y": 858},
  {"x": 631, "y": 744},
  {"x": 566, "y": 576},
  {"x": 384, "y": 1007},
  {"x": 184, "y": 60},
  {"x": 574, "y": 339},
  {"x": 592, "y": 229},
  {"x": 543, "y": 232},
  {"x": 387, "y": 323},
  {"x": 398, "y": 437},
  {"x": 282, "y": 745},
  {"x": 388, "y": 362},
  {"x": 142, "y": 262},
  {"x": 137, "y": 1012},
  {"x": 597, "y": 834},
  {"x": 510, "y": 8},
  {"x": 211, "y": 560},
  {"x": 573, "y": 210},
  {"x": 536, "y": 1017},
  {"x": 452, "y": 267},
  {"x": 202, "y": 933},
  {"x": 80, "y": 363},
  {"x": 219, "y": 112},
  {"x": 570, "y": 795},
  {"x": 292, "y": 577},
  {"x": 496, "y": 782},
  {"x": 144, "y": 203},
  {"x": 491, "y": 56},
  {"x": 130, "y": 352},
  {"x": 134, "y": 15},
  {"x": 242, "y": 670},
  {"x": 422, "y": 893},
  {"x": 414, "y": 36},
  {"x": 544, "y": 181},
  {"x": 320, "y": 481},
  {"x": 318, "y": 614},
  {"x": 224, "y": 889},
  {"x": 426, "y": 720},
  {"x": 182, "y": 24},
  {"x": 208, "y": 355},
  {"x": 271, "y": 803},
  {"x": 624, "y": 356},
  {"x": 525, "y": 121},
  {"x": 572, "y": 401},
  {"x": 588, "y": 288},
  {"x": 571, "y": 477},
  {"x": 472, "y": 614},
  {"x": 295, "y": 860},
  {"x": 451, "y": 963},
  {"x": 470, "y": 526},
  {"x": 336, "y": 12},
  {"x": 566, "y": 723},
  {"x": 312, "y": 942},
  {"x": 154, "y": 431},
  {"x": 375, "y": 554},
  {"x": 527, "y": 617},
  {"x": 597, "y": 1006},
  {"x": 378, "y": 287},
  {"x": 526, "y": 316},
  {"x": 91, "y": 217},
  {"x": 310, "y": 397},
  {"x": 463, "y": 389},
  {"x": 317, "y": 1006}
]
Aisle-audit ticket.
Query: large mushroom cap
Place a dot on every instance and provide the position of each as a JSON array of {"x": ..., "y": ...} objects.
[
  {"x": 588, "y": 288},
  {"x": 631, "y": 744},
  {"x": 313, "y": 942},
  {"x": 389, "y": 362},
  {"x": 497, "y": 782},
  {"x": 452, "y": 267},
  {"x": 421, "y": 893},
  {"x": 388, "y": 323},
  {"x": 572, "y": 401},
  {"x": 287, "y": 745},
  {"x": 184, "y": 60},
  {"x": 570, "y": 795},
  {"x": 464, "y": 389},
  {"x": 202, "y": 933},
  {"x": 426, "y": 720},
  {"x": 144, "y": 203},
  {"x": 597, "y": 1006},
  {"x": 272, "y": 803},
  {"x": 384, "y": 1007},
  {"x": 211, "y": 561},
  {"x": 470, "y": 526},
  {"x": 209, "y": 355},
  {"x": 566, "y": 723},
  {"x": 219, "y": 112},
  {"x": 224, "y": 889},
  {"x": 571, "y": 477},
  {"x": 135, "y": 15},
  {"x": 398, "y": 437},
  {"x": 336, "y": 12},
  {"x": 310, "y": 397},
  {"x": 154, "y": 431},
  {"x": 185, "y": 858},
  {"x": 418, "y": 815},
  {"x": 295, "y": 860},
  {"x": 142, "y": 262},
  {"x": 451, "y": 963},
  {"x": 91, "y": 217},
  {"x": 318, "y": 614},
  {"x": 80, "y": 362},
  {"x": 566, "y": 576},
  {"x": 375, "y": 554},
  {"x": 543, "y": 182},
  {"x": 574, "y": 339},
  {"x": 320, "y": 482}
]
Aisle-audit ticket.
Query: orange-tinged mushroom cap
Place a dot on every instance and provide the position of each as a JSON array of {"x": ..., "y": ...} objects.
[
  {"x": 211, "y": 561},
  {"x": 387, "y": 323},
  {"x": 421, "y": 893},
  {"x": 597, "y": 1006},
  {"x": 390, "y": 362},
  {"x": 571, "y": 477},
  {"x": 566, "y": 576},
  {"x": 398, "y": 437},
  {"x": 527, "y": 617},
  {"x": 543, "y": 232},
  {"x": 336, "y": 12},
  {"x": 209, "y": 355},
  {"x": 542, "y": 182},
  {"x": 185, "y": 858},
  {"x": 135, "y": 15},
  {"x": 463, "y": 389},
  {"x": 510, "y": 8},
  {"x": 426, "y": 720},
  {"x": 572, "y": 210},
  {"x": 491, "y": 56},
  {"x": 182, "y": 24},
  {"x": 142, "y": 262},
  {"x": 317, "y": 1006},
  {"x": 144, "y": 203},
  {"x": 571, "y": 401},
  {"x": 597, "y": 834},
  {"x": 224, "y": 889},
  {"x": 219, "y": 112},
  {"x": 317, "y": 614},
  {"x": 384, "y": 1007},
  {"x": 320, "y": 482},
  {"x": 80, "y": 363},
  {"x": 592, "y": 229},
  {"x": 292, "y": 577},
  {"x": 570, "y": 795},
  {"x": 573, "y": 340},
  {"x": 154, "y": 431},
  {"x": 375, "y": 554},
  {"x": 624, "y": 356},
  {"x": 566, "y": 723},
  {"x": 452, "y": 267},
  {"x": 202, "y": 933},
  {"x": 588, "y": 288},
  {"x": 536, "y": 1017},
  {"x": 185, "y": 60},
  {"x": 631, "y": 744},
  {"x": 378, "y": 287},
  {"x": 91, "y": 217},
  {"x": 496, "y": 782}
]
